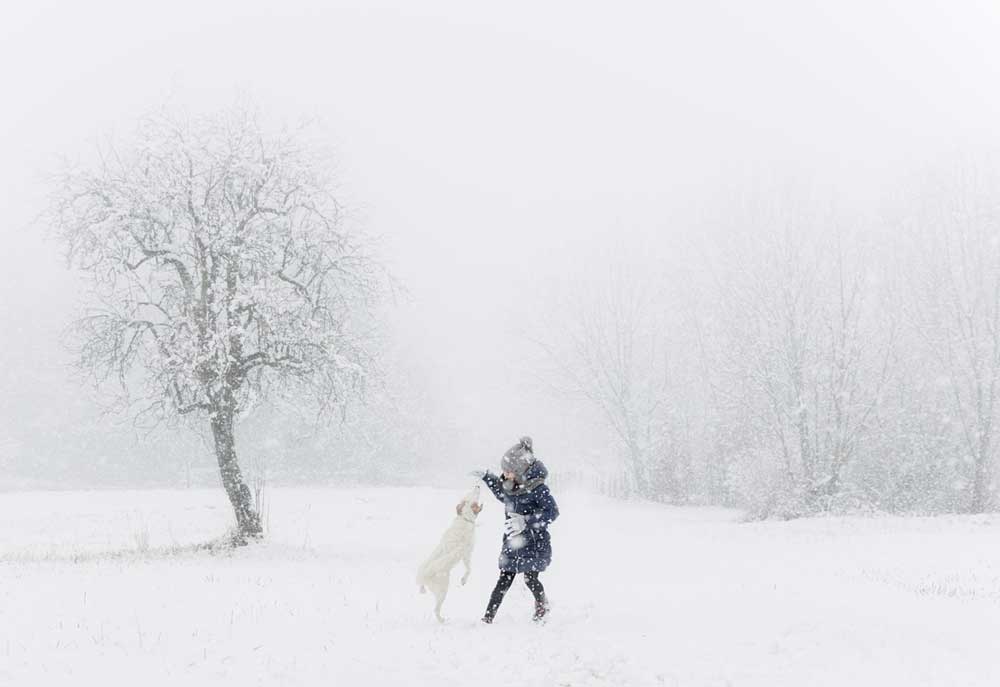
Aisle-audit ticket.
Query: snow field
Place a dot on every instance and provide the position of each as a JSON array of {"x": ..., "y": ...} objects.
[{"x": 109, "y": 588}]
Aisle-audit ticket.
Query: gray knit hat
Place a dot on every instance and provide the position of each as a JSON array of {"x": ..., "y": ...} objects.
[{"x": 518, "y": 457}]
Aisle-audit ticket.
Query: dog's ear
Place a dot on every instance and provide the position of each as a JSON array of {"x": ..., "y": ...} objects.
[
  {"x": 459, "y": 507},
  {"x": 476, "y": 507}
]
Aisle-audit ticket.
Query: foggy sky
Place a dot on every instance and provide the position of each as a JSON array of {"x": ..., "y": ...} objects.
[{"x": 500, "y": 150}]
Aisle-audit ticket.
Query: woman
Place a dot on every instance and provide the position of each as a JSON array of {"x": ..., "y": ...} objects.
[{"x": 530, "y": 509}]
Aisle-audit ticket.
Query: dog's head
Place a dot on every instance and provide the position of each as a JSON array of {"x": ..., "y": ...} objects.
[{"x": 470, "y": 507}]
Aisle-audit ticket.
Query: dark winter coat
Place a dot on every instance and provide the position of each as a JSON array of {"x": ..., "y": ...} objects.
[{"x": 531, "y": 550}]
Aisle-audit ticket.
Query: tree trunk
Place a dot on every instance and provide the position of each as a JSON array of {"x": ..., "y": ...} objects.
[
  {"x": 638, "y": 469},
  {"x": 805, "y": 450},
  {"x": 981, "y": 481},
  {"x": 247, "y": 519}
]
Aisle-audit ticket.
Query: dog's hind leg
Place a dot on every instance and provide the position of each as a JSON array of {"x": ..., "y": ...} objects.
[
  {"x": 439, "y": 587},
  {"x": 467, "y": 561}
]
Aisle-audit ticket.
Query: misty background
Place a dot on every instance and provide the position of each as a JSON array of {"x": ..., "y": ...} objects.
[{"x": 539, "y": 176}]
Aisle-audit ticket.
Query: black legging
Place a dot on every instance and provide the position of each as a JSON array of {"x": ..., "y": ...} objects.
[{"x": 503, "y": 584}]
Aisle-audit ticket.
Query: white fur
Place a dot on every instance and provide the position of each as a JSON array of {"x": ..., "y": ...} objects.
[{"x": 456, "y": 545}]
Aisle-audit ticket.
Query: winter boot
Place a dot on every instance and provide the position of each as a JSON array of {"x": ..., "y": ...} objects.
[{"x": 541, "y": 610}]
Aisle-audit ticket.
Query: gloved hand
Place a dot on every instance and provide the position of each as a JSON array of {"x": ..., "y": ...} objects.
[
  {"x": 514, "y": 524},
  {"x": 478, "y": 474}
]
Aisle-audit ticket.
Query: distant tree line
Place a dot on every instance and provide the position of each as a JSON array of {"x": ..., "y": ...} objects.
[{"x": 794, "y": 359}]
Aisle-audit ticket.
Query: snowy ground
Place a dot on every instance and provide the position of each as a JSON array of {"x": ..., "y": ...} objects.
[{"x": 98, "y": 588}]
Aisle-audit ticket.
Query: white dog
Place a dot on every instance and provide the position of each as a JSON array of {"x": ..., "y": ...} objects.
[{"x": 456, "y": 545}]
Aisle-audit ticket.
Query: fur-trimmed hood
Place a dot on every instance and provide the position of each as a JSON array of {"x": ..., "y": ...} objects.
[{"x": 534, "y": 477}]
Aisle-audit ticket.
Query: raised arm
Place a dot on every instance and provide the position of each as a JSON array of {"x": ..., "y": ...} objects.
[{"x": 493, "y": 482}]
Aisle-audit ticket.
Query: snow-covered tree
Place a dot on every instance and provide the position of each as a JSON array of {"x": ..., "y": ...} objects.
[
  {"x": 951, "y": 233},
  {"x": 222, "y": 274},
  {"x": 608, "y": 347},
  {"x": 796, "y": 339}
]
